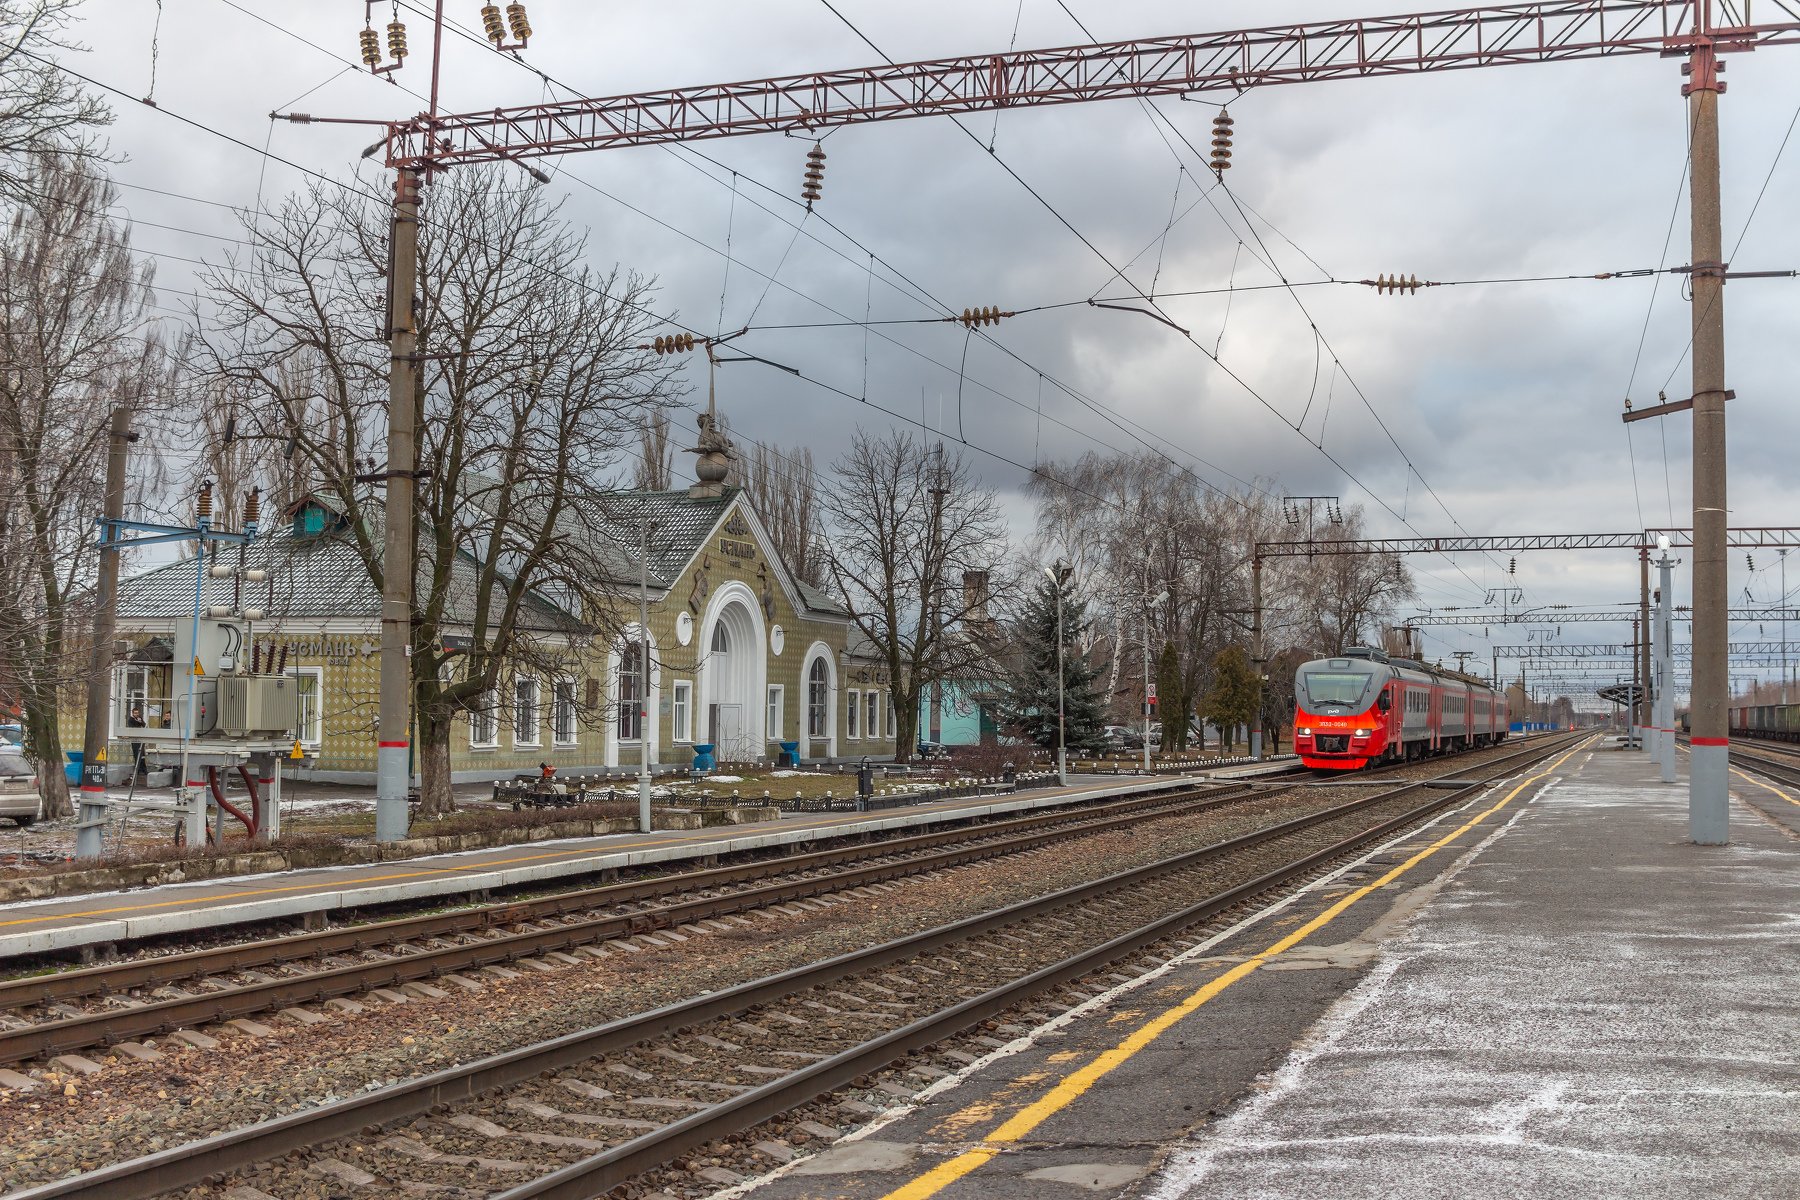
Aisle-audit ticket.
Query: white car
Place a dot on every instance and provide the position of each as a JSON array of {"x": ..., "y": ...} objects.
[{"x": 19, "y": 797}]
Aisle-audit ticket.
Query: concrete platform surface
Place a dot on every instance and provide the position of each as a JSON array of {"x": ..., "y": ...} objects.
[
  {"x": 1548, "y": 993},
  {"x": 42, "y": 926}
]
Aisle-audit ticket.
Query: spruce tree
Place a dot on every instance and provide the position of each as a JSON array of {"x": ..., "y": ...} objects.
[
  {"x": 1172, "y": 706},
  {"x": 1029, "y": 703}
]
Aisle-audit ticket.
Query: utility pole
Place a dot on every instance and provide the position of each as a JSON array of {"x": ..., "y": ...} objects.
[
  {"x": 1149, "y": 603},
  {"x": 1665, "y": 655},
  {"x": 92, "y": 811},
  {"x": 1059, "y": 575},
  {"x": 392, "y": 765},
  {"x": 1708, "y": 819},
  {"x": 1257, "y": 659},
  {"x": 1784, "y": 601},
  {"x": 1642, "y": 709}
]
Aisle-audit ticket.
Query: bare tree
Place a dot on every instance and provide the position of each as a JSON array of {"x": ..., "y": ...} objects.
[
  {"x": 655, "y": 469},
  {"x": 782, "y": 489},
  {"x": 529, "y": 385},
  {"x": 1348, "y": 597},
  {"x": 43, "y": 110},
  {"x": 75, "y": 339},
  {"x": 907, "y": 522}
]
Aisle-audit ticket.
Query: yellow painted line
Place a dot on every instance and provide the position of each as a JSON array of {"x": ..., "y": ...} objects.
[
  {"x": 486, "y": 864},
  {"x": 1074, "y": 1085},
  {"x": 1765, "y": 785}
]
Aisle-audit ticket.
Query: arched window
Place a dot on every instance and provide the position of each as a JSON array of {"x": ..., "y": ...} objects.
[
  {"x": 818, "y": 696},
  {"x": 631, "y": 691},
  {"x": 721, "y": 641}
]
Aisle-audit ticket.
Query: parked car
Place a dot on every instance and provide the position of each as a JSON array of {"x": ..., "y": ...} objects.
[
  {"x": 933, "y": 750},
  {"x": 1122, "y": 737},
  {"x": 19, "y": 797}
]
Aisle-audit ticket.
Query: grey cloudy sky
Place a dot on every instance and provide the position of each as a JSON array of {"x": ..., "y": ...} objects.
[{"x": 1506, "y": 397}]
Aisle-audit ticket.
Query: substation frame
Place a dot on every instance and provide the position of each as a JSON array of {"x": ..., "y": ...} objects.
[{"x": 1224, "y": 63}]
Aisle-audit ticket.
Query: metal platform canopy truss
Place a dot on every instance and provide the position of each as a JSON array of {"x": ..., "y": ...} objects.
[
  {"x": 1484, "y": 36},
  {"x": 1488, "y": 36},
  {"x": 1736, "y": 538}
]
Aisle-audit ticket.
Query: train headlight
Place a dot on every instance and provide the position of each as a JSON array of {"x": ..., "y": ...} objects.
[
  {"x": 1362, "y": 733},
  {"x": 1303, "y": 732}
]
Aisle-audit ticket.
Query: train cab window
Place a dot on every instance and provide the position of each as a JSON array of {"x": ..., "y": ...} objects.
[{"x": 1333, "y": 688}]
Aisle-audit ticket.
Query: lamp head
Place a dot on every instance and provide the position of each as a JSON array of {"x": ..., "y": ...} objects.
[{"x": 1662, "y": 542}]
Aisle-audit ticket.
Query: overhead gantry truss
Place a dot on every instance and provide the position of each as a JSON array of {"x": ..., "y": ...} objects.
[
  {"x": 1738, "y": 539},
  {"x": 1552, "y": 617},
  {"x": 1487, "y": 36},
  {"x": 1625, "y": 651}
]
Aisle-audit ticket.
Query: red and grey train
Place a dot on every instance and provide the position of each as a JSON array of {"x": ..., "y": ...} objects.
[{"x": 1362, "y": 707}]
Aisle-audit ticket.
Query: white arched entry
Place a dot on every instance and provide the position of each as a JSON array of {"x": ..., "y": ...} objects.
[
  {"x": 619, "y": 752},
  {"x": 732, "y": 679},
  {"x": 812, "y": 680}
]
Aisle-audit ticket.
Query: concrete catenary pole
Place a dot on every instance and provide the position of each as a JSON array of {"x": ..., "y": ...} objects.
[
  {"x": 392, "y": 763},
  {"x": 1642, "y": 710},
  {"x": 1708, "y": 822},
  {"x": 1257, "y": 660},
  {"x": 1665, "y": 664},
  {"x": 643, "y": 696},
  {"x": 92, "y": 812}
]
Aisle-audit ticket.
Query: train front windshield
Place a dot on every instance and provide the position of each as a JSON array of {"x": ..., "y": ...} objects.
[{"x": 1347, "y": 689}]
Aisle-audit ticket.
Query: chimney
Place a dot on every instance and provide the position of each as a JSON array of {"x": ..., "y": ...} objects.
[{"x": 975, "y": 595}]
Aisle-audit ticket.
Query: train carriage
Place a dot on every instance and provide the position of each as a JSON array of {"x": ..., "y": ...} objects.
[{"x": 1363, "y": 707}]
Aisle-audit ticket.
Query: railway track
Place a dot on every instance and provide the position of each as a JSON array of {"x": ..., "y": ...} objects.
[
  {"x": 651, "y": 1087},
  {"x": 40, "y": 1016},
  {"x": 1778, "y": 766}
]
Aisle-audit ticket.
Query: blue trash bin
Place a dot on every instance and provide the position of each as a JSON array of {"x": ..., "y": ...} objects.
[
  {"x": 703, "y": 756},
  {"x": 72, "y": 772},
  {"x": 790, "y": 754}
]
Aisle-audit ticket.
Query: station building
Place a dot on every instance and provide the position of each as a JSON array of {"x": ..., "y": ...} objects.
[{"x": 743, "y": 655}]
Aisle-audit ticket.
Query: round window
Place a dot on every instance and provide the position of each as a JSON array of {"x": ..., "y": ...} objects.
[{"x": 777, "y": 639}]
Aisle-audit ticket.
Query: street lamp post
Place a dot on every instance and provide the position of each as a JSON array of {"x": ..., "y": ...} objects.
[
  {"x": 1161, "y": 597},
  {"x": 1059, "y": 575}
]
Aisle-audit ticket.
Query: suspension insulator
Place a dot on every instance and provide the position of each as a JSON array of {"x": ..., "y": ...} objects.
[
  {"x": 396, "y": 40},
  {"x": 515, "y": 16},
  {"x": 1221, "y": 142},
  {"x": 815, "y": 175},
  {"x": 974, "y": 318},
  {"x": 492, "y": 25},
  {"x": 371, "y": 47},
  {"x": 674, "y": 343}
]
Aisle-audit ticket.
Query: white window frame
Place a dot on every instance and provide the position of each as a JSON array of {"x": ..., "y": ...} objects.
[
  {"x": 872, "y": 714},
  {"x": 819, "y": 708},
  {"x": 558, "y": 688},
  {"x": 317, "y": 723},
  {"x": 486, "y": 710},
  {"x": 681, "y": 711},
  {"x": 536, "y": 710},
  {"x": 632, "y": 713},
  {"x": 774, "y": 710},
  {"x": 853, "y": 715}
]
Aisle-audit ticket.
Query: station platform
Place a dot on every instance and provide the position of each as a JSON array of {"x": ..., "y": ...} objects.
[
  {"x": 64, "y": 923},
  {"x": 1548, "y": 992}
]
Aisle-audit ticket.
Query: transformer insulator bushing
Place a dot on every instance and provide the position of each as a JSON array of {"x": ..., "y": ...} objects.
[
  {"x": 203, "y": 504},
  {"x": 515, "y": 16},
  {"x": 491, "y": 23},
  {"x": 371, "y": 47},
  {"x": 396, "y": 31},
  {"x": 253, "y": 506}
]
